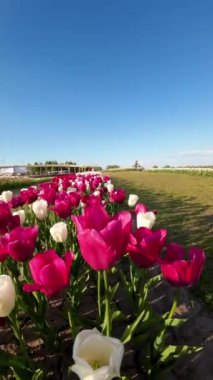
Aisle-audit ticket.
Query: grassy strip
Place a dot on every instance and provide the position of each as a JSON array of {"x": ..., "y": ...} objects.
[
  {"x": 196, "y": 172},
  {"x": 17, "y": 183},
  {"x": 185, "y": 208}
]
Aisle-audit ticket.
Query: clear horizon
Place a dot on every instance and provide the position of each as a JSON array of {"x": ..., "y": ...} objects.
[{"x": 107, "y": 82}]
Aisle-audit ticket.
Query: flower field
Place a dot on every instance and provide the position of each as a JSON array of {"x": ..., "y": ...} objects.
[{"x": 80, "y": 275}]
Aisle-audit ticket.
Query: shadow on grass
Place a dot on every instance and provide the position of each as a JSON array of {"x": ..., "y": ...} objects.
[{"x": 188, "y": 223}]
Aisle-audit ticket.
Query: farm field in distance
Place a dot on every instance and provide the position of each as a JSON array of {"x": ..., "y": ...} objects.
[
  {"x": 185, "y": 207},
  {"x": 15, "y": 183}
]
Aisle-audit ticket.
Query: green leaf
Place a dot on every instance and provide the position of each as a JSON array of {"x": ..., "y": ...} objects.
[
  {"x": 8, "y": 360},
  {"x": 38, "y": 375},
  {"x": 173, "y": 322},
  {"x": 116, "y": 315},
  {"x": 177, "y": 351}
]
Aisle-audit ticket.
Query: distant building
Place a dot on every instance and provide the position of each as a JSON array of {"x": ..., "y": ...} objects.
[{"x": 13, "y": 170}]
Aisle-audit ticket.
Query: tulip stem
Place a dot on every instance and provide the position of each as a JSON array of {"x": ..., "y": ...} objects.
[
  {"x": 18, "y": 334},
  {"x": 107, "y": 320},
  {"x": 99, "y": 293},
  {"x": 71, "y": 321}
]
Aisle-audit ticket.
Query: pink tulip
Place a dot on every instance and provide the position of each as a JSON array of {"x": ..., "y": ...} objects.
[
  {"x": 21, "y": 242},
  {"x": 102, "y": 239},
  {"x": 62, "y": 208},
  {"x": 117, "y": 196},
  {"x": 48, "y": 194},
  {"x": 29, "y": 196},
  {"x": 145, "y": 246},
  {"x": 50, "y": 272},
  {"x": 180, "y": 272},
  {"x": 7, "y": 220},
  {"x": 3, "y": 248},
  {"x": 16, "y": 201}
]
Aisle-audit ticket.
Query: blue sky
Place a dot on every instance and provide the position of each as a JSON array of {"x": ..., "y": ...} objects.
[{"x": 106, "y": 81}]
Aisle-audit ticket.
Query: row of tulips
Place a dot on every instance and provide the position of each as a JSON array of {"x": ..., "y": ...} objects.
[{"x": 58, "y": 238}]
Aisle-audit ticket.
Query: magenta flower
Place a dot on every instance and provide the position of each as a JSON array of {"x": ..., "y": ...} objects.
[
  {"x": 16, "y": 201},
  {"x": 48, "y": 194},
  {"x": 102, "y": 239},
  {"x": 117, "y": 196},
  {"x": 50, "y": 272},
  {"x": 7, "y": 220},
  {"x": 29, "y": 195},
  {"x": 145, "y": 246},
  {"x": 180, "y": 272},
  {"x": 21, "y": 242},
  {"x": 62, "y": 208},
  {"x": 3, "y": 248}
]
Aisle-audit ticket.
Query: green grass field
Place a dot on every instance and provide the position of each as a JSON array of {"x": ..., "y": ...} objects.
[
  {"x": 11, "y": 183},
  {"x": 185, "y": 208}
]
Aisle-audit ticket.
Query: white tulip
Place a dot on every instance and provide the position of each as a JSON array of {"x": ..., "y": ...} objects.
[
  {"x": 40, "y": 208},
  {"x": 145, "y": 219},
  {"x": 133, "y": 198},
  {"x": 87, "y": 186},
  {"x": 60, "y": 188},
  {"x": 71, "y": 190},
  {"x": 97, "y": 357},
  {"x": 21, "y": 214},
  {"x": 7, "y": 295},
  {"x": 6, "y": 196},
  {"x": 59, "y": 232},
  {"x": 96, "y": 193},
  {"x": 110, "y": 187}
]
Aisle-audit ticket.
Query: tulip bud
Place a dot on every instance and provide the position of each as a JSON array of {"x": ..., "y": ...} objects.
[
  {"x": 21, "y": 214},
  {"x": 146, "y": 219},
  {"x": 96, "y": 193},
  {"x": 133, "y": 198},
  {"x": 7, "y": 295},
  {"x": 110, "y": 187},
  {"x": 7, "y": 196},
  {"x": 59, "y": 232},
  {"x": 40, "y": 208},
  {"x": 96, "y": 356},
  {"x": 71, "y": 190}
]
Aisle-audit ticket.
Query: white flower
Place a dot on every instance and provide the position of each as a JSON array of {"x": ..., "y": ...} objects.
[
  {"x": 6, "y": 196},
  {"x": 133, "y": 198},
  {"x": 59, "y": 232},
  {"x": 96, "y": 193},
  {"x": 7, "y": 295},
  {"x": 145, "y": 219},
  {"x": 97, "y": 357},
  {"x": 21, "y": 214},
  {"x": 40, "y": 208},
  {"x": 110, "y": 187},
  {"x": 87, "y": 186},
  {"x": 71, "y": 190}
]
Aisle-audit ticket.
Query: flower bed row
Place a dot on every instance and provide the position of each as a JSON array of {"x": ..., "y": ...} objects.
[{"x": 75, "y": 282}]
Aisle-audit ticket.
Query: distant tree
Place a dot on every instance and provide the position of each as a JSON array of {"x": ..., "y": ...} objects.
[
  {"x": 113, "y": 167},
  {"x": 155, "y": 166},
  {"x": 51, "y": 162},
  {"x": 167, "y": 166},
  {"x": 137, "y": 166},
  {"x": 70, "y": 163}
]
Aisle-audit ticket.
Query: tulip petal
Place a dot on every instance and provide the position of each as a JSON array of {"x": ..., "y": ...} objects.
[
  {"x": 95, "y": 251},
  {"x": 39, "y": 261},
  {"x": 53, "y": 277}
]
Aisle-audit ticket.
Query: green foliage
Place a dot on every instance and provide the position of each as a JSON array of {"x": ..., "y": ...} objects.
[{"x": 113, "y": 166}]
